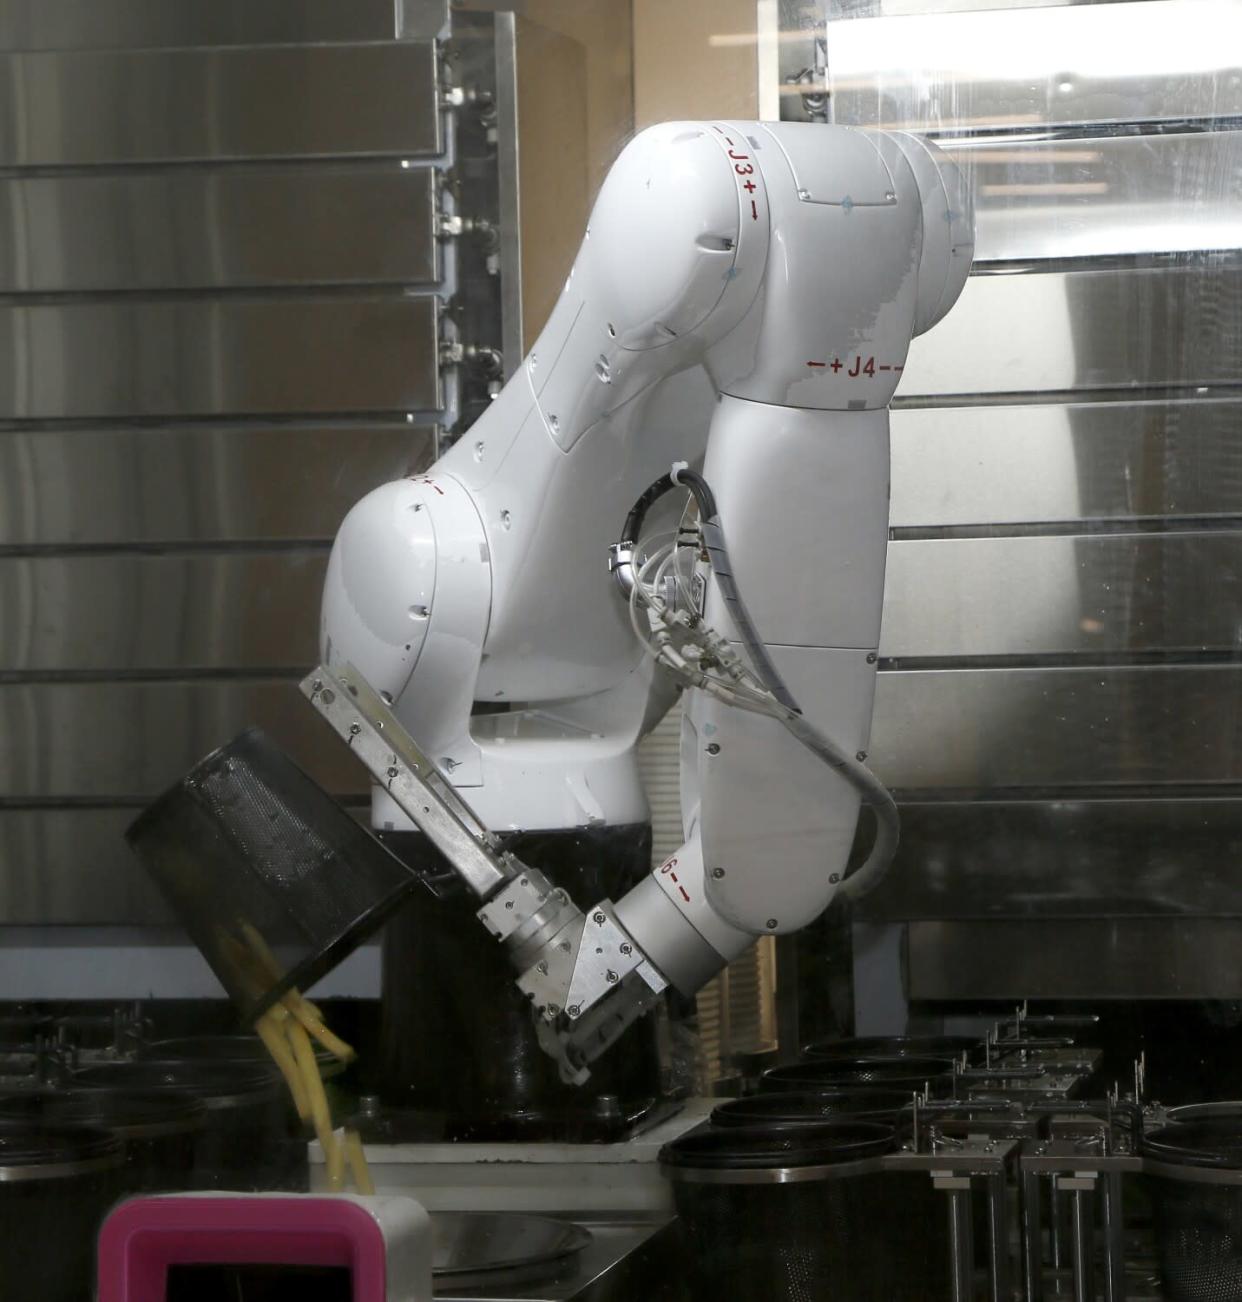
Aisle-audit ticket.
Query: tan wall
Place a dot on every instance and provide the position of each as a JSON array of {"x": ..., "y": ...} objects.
[
  {"x": 575, "y": 113},
  {"x": 590, "y": 73},
  {"x": 680, "y": 73}
]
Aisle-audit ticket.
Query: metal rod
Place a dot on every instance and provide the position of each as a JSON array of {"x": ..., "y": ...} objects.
[
  {"x": 1114, "y": 1239},
  {"x": 1084, "y": 1245},
  {"x": 998, "y": 1238},
  {"x": 1054, "y": 1224},
  {"x": 1032, "y": 1240},
  {"x": 961, "y": 1246}
]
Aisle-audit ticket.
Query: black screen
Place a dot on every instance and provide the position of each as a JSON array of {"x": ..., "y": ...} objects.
[{"x": 214, "y": 1283}]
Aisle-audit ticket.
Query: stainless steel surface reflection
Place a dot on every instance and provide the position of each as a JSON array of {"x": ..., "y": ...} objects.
[
  {"x": 1073, "y": 331},
  {"x": 219, "y": 227},
  {"x": 196, "y": 357},
  {"x": 480, "y": 1249},
  {"x": 1030, "y": 67},
  {"x": 90, "y": 107}
]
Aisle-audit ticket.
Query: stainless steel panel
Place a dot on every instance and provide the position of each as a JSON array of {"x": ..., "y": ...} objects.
[
  {"x": 1150, "y": 60},
  {"x": 1080, "y": 595},
  {"x": 72, "y": 866},
  {"x": 127, "y": 741},
  {"x": 209, "y": 357},
  {"x": 1064, "y": 858},
  {"x": 1081, "y": 330},
  {"x": 976, "y": 730},
  {"x": 183, "y": 105},
  {"x": 147, "y": 614},
  {"x": 228, "y": 483},
  {"x": 372, "y": 223},
  {"x": 1095, "y": 958},
  {"x": 976, "y": 466},
  {"x": 137, "y": 24},
  {"x": 1103, "y": 196}
]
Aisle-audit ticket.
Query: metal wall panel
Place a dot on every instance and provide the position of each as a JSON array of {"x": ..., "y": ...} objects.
[
  {"x": 211, "y": 357},
  {"x": 124, "y": 742},
  {"x": 1103, "y": 196},
  {"x": 999, "y": 466},
  {"x": 1025, "y": 68},
  {"x": 1081, "y": 595},
  {"x": 73, "y": 866},
  {"x": 138, "y": 24},
  {"x": 1092, "y": 958},
  {"x": 109, "y": 107},
  {"x": 1178, "y": 328},
  {"x": 219, "y": 228},
  {"x": 1119, "y": 857},
  {"x": 184, "y": 483},
  {"x": 130, "y": 614},
  {"x": 978, "y": 730}
]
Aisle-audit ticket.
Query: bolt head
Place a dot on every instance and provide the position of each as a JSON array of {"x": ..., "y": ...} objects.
[
  {"x": 713, "y": 748},
  {"x": 862, "y": 755},
  {"x": 718, "y": 873},
  {"x": 543, "y": 967},
  {"x": 611, "y": 977},
  {"x": 627, "y": 949},
  {"x": 573, "y": 1010},
  {"x": 598, "y": 919},
  {"x": 772, "y": 924},
  {"x": 871, "y": 657},
  {"x": 328, "y": 696},
  {"x": 355, "y": 729},
  {"x": 834, "y": 878},
  {"x": 565, "y": 946}
]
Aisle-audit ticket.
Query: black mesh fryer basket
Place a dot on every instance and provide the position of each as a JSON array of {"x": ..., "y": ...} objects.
[
  {"x": 799, "y": 1214},
  {"x": 1195, "y": 1178},
  {"x": 274, "y": 881}
]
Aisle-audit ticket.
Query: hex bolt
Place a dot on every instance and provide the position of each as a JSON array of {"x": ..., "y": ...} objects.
[
  {"x": 611, "y": 977},
  {"x": 713, "y": 748},
  {"x": 392, "y": 773},
  {"x": 871, "y": 657},
  {"x": 834, "y": 878},
  {"x": 772, "y": 924},
  {"x": 598, "y": 919},
  {"x": 355, "y": 729},
  {"x": 543, "y": 967},
  {"x": 718, "y": 873},
  {"x": 862, "y": 755},
  {"x": 626, "y": 948},
  {"x": 573, "y": 1010},
  {"x": 565, "y": 946}
]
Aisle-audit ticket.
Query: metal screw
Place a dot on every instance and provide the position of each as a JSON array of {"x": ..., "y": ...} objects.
[
  {"x": 573, "y": 1010},
  {"x": 543, "y": 967},
  {"x": 610, "y": 976},
  {"x": 772, "y": 924},
  {"x": 598, "y": 919},
  {"x": 565, "y": 946},
  {"x": 627, "y": 949},
  {"x": 718, "y": 873},
  {"x": 355, "y": 729},
  {"x": 328, "y": 696},
  {"x": 834, "y": 878},
  {"x": 317, "y": 685},
  {"x": 508, "y": 904},
  {"x": 862, "y": 755},
  {"x": 524, "y": 882},
  {"x": 392, "y": 773},
  {"x": 871, "y": 657},
  {"x": 713, "y": 748}
]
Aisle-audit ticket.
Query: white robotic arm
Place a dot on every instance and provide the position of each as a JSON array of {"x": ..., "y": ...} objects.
[{"x": 769, "y": 276}]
